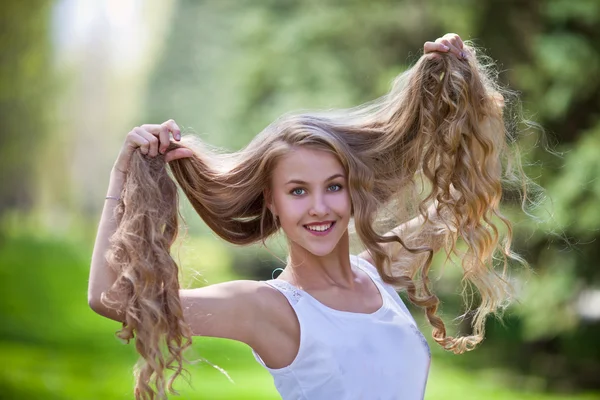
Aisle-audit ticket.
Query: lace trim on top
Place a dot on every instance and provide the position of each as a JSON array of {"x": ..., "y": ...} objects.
[{"x": 289, "y": 290}]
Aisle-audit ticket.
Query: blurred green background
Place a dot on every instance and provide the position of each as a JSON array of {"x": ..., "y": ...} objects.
[{"x": 77, "y": 75}]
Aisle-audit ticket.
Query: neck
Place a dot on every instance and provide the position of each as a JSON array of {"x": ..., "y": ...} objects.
[{"x": 309, "y": 271}]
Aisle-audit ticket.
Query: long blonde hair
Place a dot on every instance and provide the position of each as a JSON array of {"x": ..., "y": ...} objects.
[{"x": 441, "y": 123}]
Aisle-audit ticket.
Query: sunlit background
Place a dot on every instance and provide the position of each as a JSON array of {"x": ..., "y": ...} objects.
[{"x": 77, "y": 75}]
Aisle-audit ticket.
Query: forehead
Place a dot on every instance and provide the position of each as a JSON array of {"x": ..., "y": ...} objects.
[{"x": 307, "y": 165}]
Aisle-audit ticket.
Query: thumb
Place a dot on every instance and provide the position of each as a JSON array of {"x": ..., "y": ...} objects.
[{"x": 178, "y": 153}]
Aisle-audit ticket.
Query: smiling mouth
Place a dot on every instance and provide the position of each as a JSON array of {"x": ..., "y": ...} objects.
[{"x": 320, "y": 228}]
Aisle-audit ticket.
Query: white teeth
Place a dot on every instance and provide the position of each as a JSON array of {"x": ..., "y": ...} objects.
[{"x": 319, "y": 228}]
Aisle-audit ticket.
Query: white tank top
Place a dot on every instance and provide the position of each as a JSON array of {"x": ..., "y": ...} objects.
[{"x": 351, "y": 356}]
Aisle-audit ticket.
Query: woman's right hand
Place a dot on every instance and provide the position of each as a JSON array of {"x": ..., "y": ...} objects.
[{"x": 151, "y": 139}]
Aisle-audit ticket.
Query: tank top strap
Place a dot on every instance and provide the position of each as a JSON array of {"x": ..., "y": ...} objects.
[
  {"x": 292, "y": 293},
  {"x": 366, "y": 267}
]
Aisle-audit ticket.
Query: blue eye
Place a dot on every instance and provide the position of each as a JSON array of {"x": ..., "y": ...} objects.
[{"x": 299, "y": 191}]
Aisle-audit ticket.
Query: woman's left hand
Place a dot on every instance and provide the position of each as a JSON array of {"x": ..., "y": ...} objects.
[{"x": 449, "y": 43}]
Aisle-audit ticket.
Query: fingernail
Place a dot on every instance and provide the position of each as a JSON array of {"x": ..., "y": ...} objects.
[
  {"x": 463, "y": 55},
  {"x": 178, "y": 136},
  {"x": 446, "y": 48}
]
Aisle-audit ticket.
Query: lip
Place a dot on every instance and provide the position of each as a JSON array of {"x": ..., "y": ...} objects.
[{"x": 323, "y": 233}]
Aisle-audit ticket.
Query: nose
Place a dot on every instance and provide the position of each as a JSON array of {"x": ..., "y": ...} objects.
[{"x": 319, "y": 206}]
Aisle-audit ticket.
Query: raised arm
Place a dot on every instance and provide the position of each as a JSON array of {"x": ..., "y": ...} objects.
[
  {"x": 229, "y": 310},
  {"x": 101, "y": 276},
  {"x": 150, "y": 140},
  {"x": 237, "y": 310}
]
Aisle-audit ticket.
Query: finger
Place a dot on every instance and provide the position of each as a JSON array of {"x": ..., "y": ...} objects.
[
  {"x": 174, "y": 128},
  {"x": 152, "y": 145},
  {"x": 453, "y": 49},
  {"x": 433, "y": 46},
  {"x": 136, "y": 141},
  {"x": 457, "y": 42},
  {"x": 460, "y": 42},
  {"x": 454, "y": 39},
  {"x": 164, "y": 139},
  {"x": 170, "y": 125},
  {"x": 160, "y": 131},
  {"x": 177, "y": 154}
]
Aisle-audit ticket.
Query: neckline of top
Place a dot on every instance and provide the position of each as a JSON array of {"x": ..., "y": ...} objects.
[{"x": 380, "y": 288}]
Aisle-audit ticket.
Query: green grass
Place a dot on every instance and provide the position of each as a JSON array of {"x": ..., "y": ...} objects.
[
  {"x": 53, "y": 347},
  {"x": 40, "y": 372}
]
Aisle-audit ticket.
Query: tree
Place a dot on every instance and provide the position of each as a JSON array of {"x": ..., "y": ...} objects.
[{"x": 25, "y": 97}]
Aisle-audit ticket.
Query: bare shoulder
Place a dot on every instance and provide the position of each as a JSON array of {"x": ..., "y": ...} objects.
[
  {"x": 366, "y": 256},
  {"x": 366, "y": 261}
]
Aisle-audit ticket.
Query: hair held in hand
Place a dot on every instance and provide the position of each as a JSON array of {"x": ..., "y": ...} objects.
[{"x": 438, "y": 136}]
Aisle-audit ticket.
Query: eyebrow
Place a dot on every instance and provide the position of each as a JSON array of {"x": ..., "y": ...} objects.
[{"x": 301, "y": 182}]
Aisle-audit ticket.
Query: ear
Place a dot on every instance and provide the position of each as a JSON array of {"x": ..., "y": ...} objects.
[{"x": 269, "y": 201}]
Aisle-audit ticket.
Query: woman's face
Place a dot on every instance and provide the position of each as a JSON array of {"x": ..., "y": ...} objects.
[{"x": 309, "y": 187}]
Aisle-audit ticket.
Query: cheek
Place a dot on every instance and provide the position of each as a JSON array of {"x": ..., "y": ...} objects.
[
  {"x": 346, "y": 204},
  {"x": 289, "y": 210}
]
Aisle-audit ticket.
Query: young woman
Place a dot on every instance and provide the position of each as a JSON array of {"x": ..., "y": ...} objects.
[{"x": 331, "y": 326}]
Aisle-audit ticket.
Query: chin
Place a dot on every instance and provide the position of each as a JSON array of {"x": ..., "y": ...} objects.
[{"x": 320, "y": 251}]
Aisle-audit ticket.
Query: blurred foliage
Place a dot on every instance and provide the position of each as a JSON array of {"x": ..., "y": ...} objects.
[
  {"x": 26, "y": 89},
  {"x": 231, "y": 67},
  {"x": 241, "y": 64}
]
